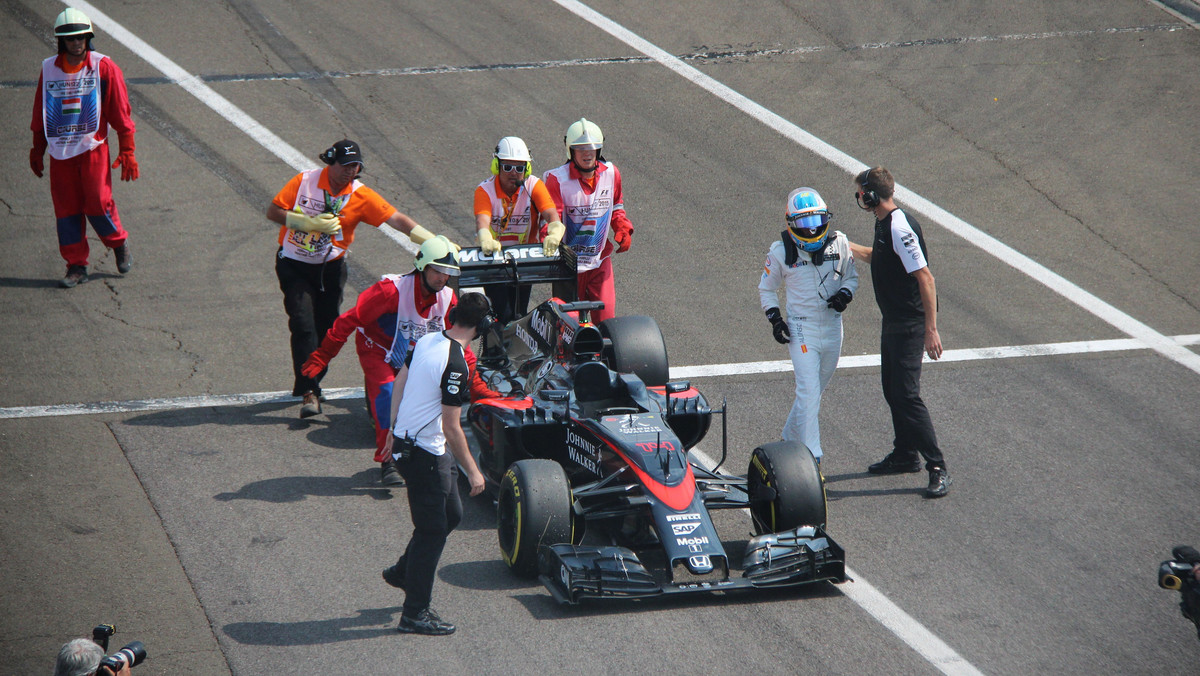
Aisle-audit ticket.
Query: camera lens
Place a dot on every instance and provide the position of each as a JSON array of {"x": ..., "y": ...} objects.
[{"x": 132, "y": 654}]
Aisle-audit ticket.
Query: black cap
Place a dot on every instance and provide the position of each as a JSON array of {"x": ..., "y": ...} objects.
[{"x": 342, "y": 152}]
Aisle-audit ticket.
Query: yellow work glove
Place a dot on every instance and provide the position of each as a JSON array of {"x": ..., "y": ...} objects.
[
  {"x": 419, "y": 235},
  {"x": 487, "y": 243},
  {"x": 554, "y": 234},
  {"x": 324, "y": 223}
]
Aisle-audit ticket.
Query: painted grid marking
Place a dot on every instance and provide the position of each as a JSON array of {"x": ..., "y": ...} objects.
[{"x": 677, "y": 373}]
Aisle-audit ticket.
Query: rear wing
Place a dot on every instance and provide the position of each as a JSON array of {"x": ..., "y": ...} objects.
[{"x": 519, "y": 264}]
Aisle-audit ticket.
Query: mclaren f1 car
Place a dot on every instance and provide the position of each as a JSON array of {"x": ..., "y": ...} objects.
[{"x": 586, "y": 451}]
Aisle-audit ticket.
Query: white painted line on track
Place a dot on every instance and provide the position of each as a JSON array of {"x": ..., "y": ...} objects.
[
  {"x": 705, "y": 55},
  {"x": 677, "y": 373},
  {"x": 1019, "y": 261},
  {"x": 935, "y": 651},
  {"x": 862, "y": 360},
  {"x": 221, "y": 105},
  {"x": 904, "y": 626}
]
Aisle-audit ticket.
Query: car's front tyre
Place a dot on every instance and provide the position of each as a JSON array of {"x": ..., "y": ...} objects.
[{"x": 533, "y": 508}]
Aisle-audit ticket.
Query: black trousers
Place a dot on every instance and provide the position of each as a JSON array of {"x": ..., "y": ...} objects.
[
  {"x": 312, "y": 297},
  {"x": 900, "y": 350},
  {"x": 436, "y": 509}
]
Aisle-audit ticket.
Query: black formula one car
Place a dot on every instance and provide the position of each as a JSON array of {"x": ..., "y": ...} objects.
[{"x": 586, "y": 452}]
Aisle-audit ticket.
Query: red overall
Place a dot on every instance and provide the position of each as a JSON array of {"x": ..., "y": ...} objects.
[{"x": 81, "y": 185}]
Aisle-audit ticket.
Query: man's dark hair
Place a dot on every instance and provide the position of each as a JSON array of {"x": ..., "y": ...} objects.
[
  {"x": 471, "y": 309},
  {"x": 879, "y": 180}
]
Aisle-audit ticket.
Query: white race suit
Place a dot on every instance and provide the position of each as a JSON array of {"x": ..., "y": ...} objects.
[{"x": 816, "y": 340}]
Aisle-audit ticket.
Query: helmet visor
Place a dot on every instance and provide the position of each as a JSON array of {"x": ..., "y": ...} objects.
[
  {"x": 808, "y": 226},
  {"x": 444, "y": 269}
]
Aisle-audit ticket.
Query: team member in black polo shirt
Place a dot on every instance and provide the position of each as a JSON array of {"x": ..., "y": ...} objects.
[
  {"x": 907, "y": 298},
  {"x": 428, "y": 397}
]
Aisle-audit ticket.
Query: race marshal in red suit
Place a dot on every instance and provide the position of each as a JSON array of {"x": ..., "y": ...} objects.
[
  {"x": 587, "y": 192},
  {"x": 80, "y": 94}
]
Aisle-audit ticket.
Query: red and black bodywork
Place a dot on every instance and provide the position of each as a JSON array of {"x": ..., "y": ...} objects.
[{"x": 587, "y": 451}]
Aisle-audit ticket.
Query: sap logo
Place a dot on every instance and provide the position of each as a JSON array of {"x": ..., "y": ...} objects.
[
  {"x": 685, "y": 542},
  {"x": 684, "y": 528},
  {"x": 682, "y": 517}
]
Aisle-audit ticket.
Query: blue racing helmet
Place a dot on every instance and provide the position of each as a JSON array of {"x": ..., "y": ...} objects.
[{"x": 807, "y": 219}]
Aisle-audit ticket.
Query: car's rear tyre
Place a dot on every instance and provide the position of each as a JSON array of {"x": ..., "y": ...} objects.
[
  {"x": 786, "y": 488},
  {"x": 533, "y": 508},
  {"x": 637, "y": 347}
]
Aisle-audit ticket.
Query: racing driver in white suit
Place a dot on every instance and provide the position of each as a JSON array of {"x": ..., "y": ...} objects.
[{"x": 817, "y": 269}]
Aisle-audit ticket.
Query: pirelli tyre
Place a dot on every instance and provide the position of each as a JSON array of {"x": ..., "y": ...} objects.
[
  {"x": 786, "y": 488},
  {"x": 637, "y": 347},
  {"x": 533, "y": 509}
]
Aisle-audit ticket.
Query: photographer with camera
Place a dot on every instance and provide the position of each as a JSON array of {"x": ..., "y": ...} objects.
[
  {"x": 82, "y": 657},
  {"x": 1182, "y": 574}
]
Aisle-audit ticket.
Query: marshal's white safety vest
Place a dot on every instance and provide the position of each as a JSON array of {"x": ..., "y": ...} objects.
[
  {"x": 587, "y": 217},
  {"x": 315, "y": 247},
  {"x": 71, "y": 108},
  {"x": 515, "y": 226},
  {"x": 410, "y": 325}
]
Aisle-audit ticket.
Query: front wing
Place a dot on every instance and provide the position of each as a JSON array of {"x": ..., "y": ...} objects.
[{"x": 800, "y": 556}]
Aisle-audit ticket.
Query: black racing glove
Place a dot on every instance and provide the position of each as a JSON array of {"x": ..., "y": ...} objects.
[
  {"x": 778, "y": 326},
  {"x": 840, "y": 300}
]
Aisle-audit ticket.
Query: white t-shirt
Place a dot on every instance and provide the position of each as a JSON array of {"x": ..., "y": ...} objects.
[{"x": 437, "y": 376}]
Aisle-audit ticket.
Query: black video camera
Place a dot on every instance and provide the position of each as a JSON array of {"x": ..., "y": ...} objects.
[
  {"x": 132, "y": 654},
  {"x": 1179, "y": 574}
]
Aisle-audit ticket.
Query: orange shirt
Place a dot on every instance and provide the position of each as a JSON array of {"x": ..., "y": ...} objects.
[
  {"x": 541, "y": 199},
  {"x": 365, "y": 205}
]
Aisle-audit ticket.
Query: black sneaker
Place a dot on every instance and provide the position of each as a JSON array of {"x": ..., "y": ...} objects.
[
  {"x": 76, "y": 275},
  {"x": 426, "y": 622},
  {"x": 389, "y": 475},
  {"x": 394, "y": 577},
  {"x": 939, "y": 483},
  {"x": 124, "y": 261},
  {"x": 893, "y": 464}
]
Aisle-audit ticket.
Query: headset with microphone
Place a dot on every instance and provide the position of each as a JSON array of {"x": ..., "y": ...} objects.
[{"x": 869, "y": 198}]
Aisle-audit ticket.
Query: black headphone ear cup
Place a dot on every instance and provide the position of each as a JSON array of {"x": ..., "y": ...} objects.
[{"x": 329, "y": 155}]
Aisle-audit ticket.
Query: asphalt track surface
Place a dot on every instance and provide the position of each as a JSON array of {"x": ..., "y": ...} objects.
[{"x": 230, "y": 537}]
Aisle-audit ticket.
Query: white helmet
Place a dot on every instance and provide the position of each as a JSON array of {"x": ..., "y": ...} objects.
[
  {"x": 72, "y": 22},
  {"x": 584, "y": 134},
  {"x": 512, "y": 149}
]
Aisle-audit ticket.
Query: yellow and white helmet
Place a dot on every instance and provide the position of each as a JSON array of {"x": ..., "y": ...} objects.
[
  {"x": 584, "y": 134},
  {"x": 72, "y": 22},
  {"x": 439, "y": 253}
]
